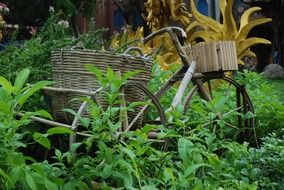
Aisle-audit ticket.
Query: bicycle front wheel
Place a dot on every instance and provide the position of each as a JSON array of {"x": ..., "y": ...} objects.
[{"x": 226, "y": 107}]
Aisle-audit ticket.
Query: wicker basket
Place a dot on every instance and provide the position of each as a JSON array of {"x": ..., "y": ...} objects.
[
  {"x": 215, "y": 56},
  {"x": 69, "y": 72}
]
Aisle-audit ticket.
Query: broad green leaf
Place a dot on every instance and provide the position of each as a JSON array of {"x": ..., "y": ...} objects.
[
  {"x": 42, "y": 139},
  {"x": 126, "y": 176},
  {"x": 254, "y": 172},
  {"x": 107, "y": 171},
  {"x": 60, "y": 130},
  {"x": 135, "y": 104},
  {"x": 85, "y": 121},
  {"x": 149, "y": 187},
  {"x": 184, "y": 146},
  {"x": 199, "y": 186},
  {"x": 168, "y": 174},
  {"x": 125, "y": 165},
  {"x": 68, "y": 185},
  {"x": 196, "y": 139},
  {"x": 30, "y": 181},
  {"x": 111, "y": 75},
  {"x": 5, "y": 176},
  {"x": 39, "y": 169},
  {"x": 75, "y": 146},
  {"x": 4, "y": 96},
  {"x": 253, "y": 186},
  {"x": 58, "y": 153},
  {"x": 148, "y": 128},
  {"x": 112, "y": 97},
  {"x": 29, "y": 159},
  {"x": 21, "y": 79},
  {"x": 214, "y": 160},
  {"x": 29, "y": 92},
  {"x": 44, "y": 114},
  {"x": 69, "y": 156},
  {"x": 70, "y": 111},
  {"x": 49, "y": 185},
  {"x": 191, "y": 169},
  {"x": 6, "y": 85},
  {"x": 16, "y": 158},
  {"x": 95, "y": 71},
  {"x": 221, "y": 102},
  {"x": 5, "y": 107},
  {"x": 16, "y": 173},
  {"x": 82, "y": 186},
  {"x": 41, "y": 113},
  {"x": 129, "y": 153},
  {"x": 129, "y": 74},
  {"x": 113, "y": 127}
]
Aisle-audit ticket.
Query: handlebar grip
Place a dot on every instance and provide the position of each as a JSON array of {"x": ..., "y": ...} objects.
[{"x": 137, "y": 49}]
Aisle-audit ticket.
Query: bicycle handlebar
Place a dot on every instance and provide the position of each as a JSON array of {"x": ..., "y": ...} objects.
[{"x": 170, "y": 30}]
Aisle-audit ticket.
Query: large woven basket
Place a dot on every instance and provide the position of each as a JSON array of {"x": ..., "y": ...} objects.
[
  {"x": 69, "y": 72},
  {"x": 215, "y": 56}
]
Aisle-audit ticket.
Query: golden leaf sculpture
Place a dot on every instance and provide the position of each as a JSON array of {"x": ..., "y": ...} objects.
[
  {"x": 160, "y": 13},
  {"x": 162, "y": 45},
  {"x": 211, "y": 30},
  {"x": 127, "y": 37}
]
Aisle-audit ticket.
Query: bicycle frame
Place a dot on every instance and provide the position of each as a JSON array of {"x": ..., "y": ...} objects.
[
  {"x": 197, "y": 79},
  {"x": 178, "y": 76}
]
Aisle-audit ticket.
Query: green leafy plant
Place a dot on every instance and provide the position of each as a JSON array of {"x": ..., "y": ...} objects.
[
  {"x": 197, "y": 158},
  {"x": 269, "y": 109},
  {"x": 35, "y": 53},
  {"x": 72, "y": 7},
  {"x": 269, "y": 158},
  {"x": 13, "y": 168}
]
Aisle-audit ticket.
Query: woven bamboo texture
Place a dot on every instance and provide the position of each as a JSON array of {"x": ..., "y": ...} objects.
[
  {"x": 215, "y": 56},
  {"x": 69, "y": 72}
]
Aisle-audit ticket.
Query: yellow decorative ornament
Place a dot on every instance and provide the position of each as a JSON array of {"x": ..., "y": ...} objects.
[
  {"x": 167, "y": 53},
  {"x": 128, "y": 37},
  {"x": 211, "y": 30},
  {"x": 160, "y": 13}
]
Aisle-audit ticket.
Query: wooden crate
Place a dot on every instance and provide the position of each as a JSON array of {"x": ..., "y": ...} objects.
[{"x": 215, "y": 56}]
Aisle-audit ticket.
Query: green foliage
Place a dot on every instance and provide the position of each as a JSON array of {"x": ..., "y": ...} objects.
[
  {"x": 35, "y": 53},
  {"x": 269, "y": 158},
  {"x": 197, "y": 158},
  {"x": 269, "y": 108},
  {"x": 93, "y": 39},
  {"x": 14, "y": 172},
  {"x": 71, "y": 7}
]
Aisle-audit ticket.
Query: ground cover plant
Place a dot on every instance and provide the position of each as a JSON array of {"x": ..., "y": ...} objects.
[
  {"x": 199, "y": 156},
  {"x": 199, "y": 160}
]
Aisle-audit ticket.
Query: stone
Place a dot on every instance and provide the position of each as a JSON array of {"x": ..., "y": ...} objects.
[{"x": 273, "y": 71}]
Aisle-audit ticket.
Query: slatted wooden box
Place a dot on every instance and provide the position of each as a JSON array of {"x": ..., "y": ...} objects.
[{"x": 215, "y": 56}]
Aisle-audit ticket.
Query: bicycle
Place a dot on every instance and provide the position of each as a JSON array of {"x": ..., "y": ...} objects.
[{"x": 202, "y": 87}]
